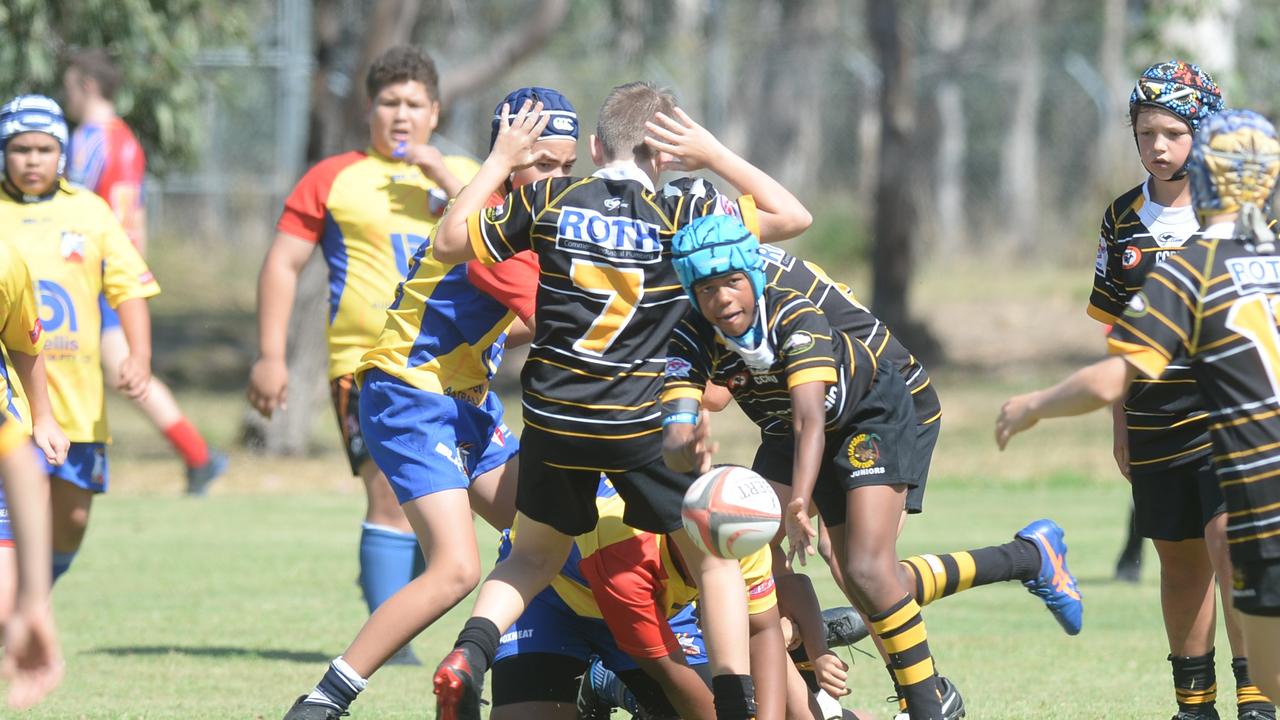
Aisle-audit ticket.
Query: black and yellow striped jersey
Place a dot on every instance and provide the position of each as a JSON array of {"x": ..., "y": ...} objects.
[
  {"x": 845, "y": 313},
  {"x": 1217, "y": 303},
  {"x": 799, "y": 346},
  {"x": 608, "y": 297},
  {"x": 1167, "y": 422}
]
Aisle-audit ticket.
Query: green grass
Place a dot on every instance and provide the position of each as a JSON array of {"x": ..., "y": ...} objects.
[{"x": 231, "y": 606}]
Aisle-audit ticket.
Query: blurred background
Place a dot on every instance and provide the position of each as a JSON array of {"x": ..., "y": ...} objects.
[{"x": 957, "y": 154}]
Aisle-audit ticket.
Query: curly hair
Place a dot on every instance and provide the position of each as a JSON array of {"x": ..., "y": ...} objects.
[{"x": 400, "y": 64}]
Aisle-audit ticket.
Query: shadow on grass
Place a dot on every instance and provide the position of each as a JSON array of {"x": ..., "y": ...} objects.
[{"x": 213, "y": 652}]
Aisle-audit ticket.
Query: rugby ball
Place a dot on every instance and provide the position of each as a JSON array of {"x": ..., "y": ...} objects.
[{"x": 731, "y": 512}]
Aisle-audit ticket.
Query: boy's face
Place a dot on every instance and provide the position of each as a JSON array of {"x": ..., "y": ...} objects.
[
  {"x": 728, "y": 302},
  {"x": 402, "y": 112},
  {"x": 1164, "y": 142},
  {"x": 31, "y": 162},
  {"x": 75, "y": 89},
  {"x": 557, "y": 160}
]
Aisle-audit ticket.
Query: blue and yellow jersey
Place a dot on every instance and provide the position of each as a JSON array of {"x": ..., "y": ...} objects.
[
  {"x": 446, "y": 330},
  {"x": 20, "y": 329},
  {"x": 75, "y": 250},
  {"x": 370, "y": 215}
]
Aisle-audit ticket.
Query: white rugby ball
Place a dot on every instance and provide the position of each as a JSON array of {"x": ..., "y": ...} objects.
[{"x": 731, "y": 512}]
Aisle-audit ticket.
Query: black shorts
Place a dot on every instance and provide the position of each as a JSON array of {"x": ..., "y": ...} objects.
[
  {"x": 565, "y": 498},
  {"x": 879, "y": 446},
  {"x": 346, "y": 404},
  {"x": 1255, "y": 589},
  {"x": 1176, "y": 503}
]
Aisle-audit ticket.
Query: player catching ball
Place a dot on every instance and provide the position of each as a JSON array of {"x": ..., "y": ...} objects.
[{"x": 1215, "y": 304}]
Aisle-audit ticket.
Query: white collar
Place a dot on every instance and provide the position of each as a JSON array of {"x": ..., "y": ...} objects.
[
  {"x": 1220, "y": 231},
  {"x": 625, "y": 170}
]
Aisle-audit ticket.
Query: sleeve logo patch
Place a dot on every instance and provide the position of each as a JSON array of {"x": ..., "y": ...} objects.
[
  {"x": 1132, "y": 256},
  {"x": 678, "y": 367},
  {"x": 798, "y": 343},
  {"x": 36, "y": 331},
  {"x": 1100, "y": 261},
  {"x": 147, "y": 278},
  {"x": 1137, "y": 305},
  {"x": 495, "y": 213}
]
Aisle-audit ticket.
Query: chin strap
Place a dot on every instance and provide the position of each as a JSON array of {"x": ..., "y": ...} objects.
[{"x": 1252, "y": 227}]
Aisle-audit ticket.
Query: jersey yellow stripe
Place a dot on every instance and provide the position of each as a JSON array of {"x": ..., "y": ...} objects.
[
  {"x": 824, "y": 375},
  {"x": 1101, "y": 315},
  {"x": 1246, "y": 419},
  {"x": 594, "y": 436},
  {"x": 588, "y": 406},
  {"x": 1174, "y": 456}
]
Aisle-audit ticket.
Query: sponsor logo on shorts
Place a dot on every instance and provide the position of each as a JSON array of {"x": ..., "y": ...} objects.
[
  {"x": 689, "y": 644},
  {"x": 1131, "y": 257},
  {"x": 515, "y": 635},
  {"x": 678, "y": 367},
  {"x": 458, "y": 456},
  {"x": 761, "y": 589},
  {"x": 864, "y": 451}
]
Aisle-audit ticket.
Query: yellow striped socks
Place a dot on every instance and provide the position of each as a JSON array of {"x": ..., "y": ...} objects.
[{"x": 901, "y": 629}]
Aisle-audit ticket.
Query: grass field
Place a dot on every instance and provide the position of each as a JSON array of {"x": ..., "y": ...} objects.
[{"x": 230, "y": 606}]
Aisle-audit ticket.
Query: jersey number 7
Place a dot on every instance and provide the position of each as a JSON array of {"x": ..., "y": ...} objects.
[
  {"x": 621, "y": 288},
  {"x": 1254, "y": 317}
]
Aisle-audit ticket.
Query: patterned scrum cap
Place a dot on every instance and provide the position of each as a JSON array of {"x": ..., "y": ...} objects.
[
  {"x": 33, "y": 113},
  {"x": 1234, "y": 162},
  {"x": 1180, "y": 87},
  {"x": 563, "y": 124}
]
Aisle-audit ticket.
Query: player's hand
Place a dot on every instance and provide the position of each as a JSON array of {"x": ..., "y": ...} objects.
[
  {"x": 269, "y": 386},
  {"x": 135, "y": 377},
  {"x": 1015, "y": 416},
  {"x": 32, "y": 660},
  {"x": 832, "y": 674},
  {"x": 704, "y": 448},
  {"x": 800, "y": 532},
  {"x": 513, "y": 146},
  {"x": 1120, "y": 449},
  {"x": 429, "y": 159},
  {"x": 687, "y": 145},
  {"x": 48, "y": 436}
]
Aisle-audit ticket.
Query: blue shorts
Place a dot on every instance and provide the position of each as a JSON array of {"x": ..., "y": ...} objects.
[
  {"x": 86, "y": 466},
  {"x": 425, "y": 442},
  {"x": 110, "y": 318}
]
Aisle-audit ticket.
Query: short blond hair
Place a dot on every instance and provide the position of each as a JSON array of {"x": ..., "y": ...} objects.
[{"x": 620, "y": 127}]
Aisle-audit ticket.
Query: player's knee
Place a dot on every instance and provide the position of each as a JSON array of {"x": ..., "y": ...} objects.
[
  {"x": 455, "y": 576},
  {"x": 69, "y": 528},
  {"x": 868, "y": 576}
]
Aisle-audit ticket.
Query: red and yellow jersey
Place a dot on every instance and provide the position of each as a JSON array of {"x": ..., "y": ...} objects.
[
  {"x": 447, "y": 329},
  {"x": 631, "y": 579},
  {"x": 108, "y": 159},
  {"x": 20, "y": 329},
  {"x": 75, "y": 250},
  {"x": 370, "y": 215}
]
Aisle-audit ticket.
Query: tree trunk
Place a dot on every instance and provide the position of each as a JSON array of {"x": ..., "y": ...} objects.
[
  {"x": 1020, "y": 165},
  {"x": 950, "y": 222},
  {"x": 1114, "y": 138},
  {"x": 895, "y": 210}
]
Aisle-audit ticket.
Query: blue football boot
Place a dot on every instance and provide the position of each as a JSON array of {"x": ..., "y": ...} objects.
[{"x": 1055, "y": 584}]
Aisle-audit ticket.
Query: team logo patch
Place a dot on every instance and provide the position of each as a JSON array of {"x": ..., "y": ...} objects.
[
  {"x": 739, "y": 380},
  {"x": 864, "y": 450},
  {"x": 495, "y": 213},
  {"x": 437, "y": 201},
  {"x": 1132, "y": 256},
  {"x": 678, "y": 367},
  {"x": 1137, "y": 306},
  {"x": 36, "y": 331},
  {"x": 1100, "y": 260},
  {"x": 72, "y": 246},
  {"x": 798, "y": 343}
]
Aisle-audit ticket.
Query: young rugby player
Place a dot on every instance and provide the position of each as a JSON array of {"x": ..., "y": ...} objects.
[
  {"x": 1162, "y": 427},
  {"x": 75, "y": 250},
  {"x": 368, "y": 212},
  {"x": 436, "y": 430},
  {"x": 105, "y": 157},
  {"x": 607, "y": 299},
  {"x": 854, "y": 432},
  {"x": 32, "y": 661},
  {"x": 1214, "y": 303}
]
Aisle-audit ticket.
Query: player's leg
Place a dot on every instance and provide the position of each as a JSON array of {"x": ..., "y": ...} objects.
[
  {"x": 1129, "y": 564},
  {"x": 1263, "y": 633},
  {"x": 536, "y": 685},
  {"x": 1256, "y": 587},
  {"x": 161, "y": 408},
  {"x": 8, "y": 565},
  {"x": 1188, "y": 605},
  {"x": 493, "y": 489},
  {"x": 71, "y": 489},
  {"x": 769, "y": 663},
  {"x": 1249, "y": 699}
]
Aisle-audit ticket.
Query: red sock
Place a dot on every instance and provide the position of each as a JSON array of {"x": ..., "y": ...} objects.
[{"x": 187, "y": 441}]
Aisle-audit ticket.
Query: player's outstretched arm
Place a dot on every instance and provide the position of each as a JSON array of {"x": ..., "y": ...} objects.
[
  {"x": 1087, "y": 389},
  {"x": 45, "y": 430},
  {"x": 32, "y": 661},
  {"x": 809, "y": 418},
  {"x": 512, "y": 150},
  {"x": 277, "y": 286},
  {"x": 798, "y": 601},
  {"x": 693, "y": 147}
]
